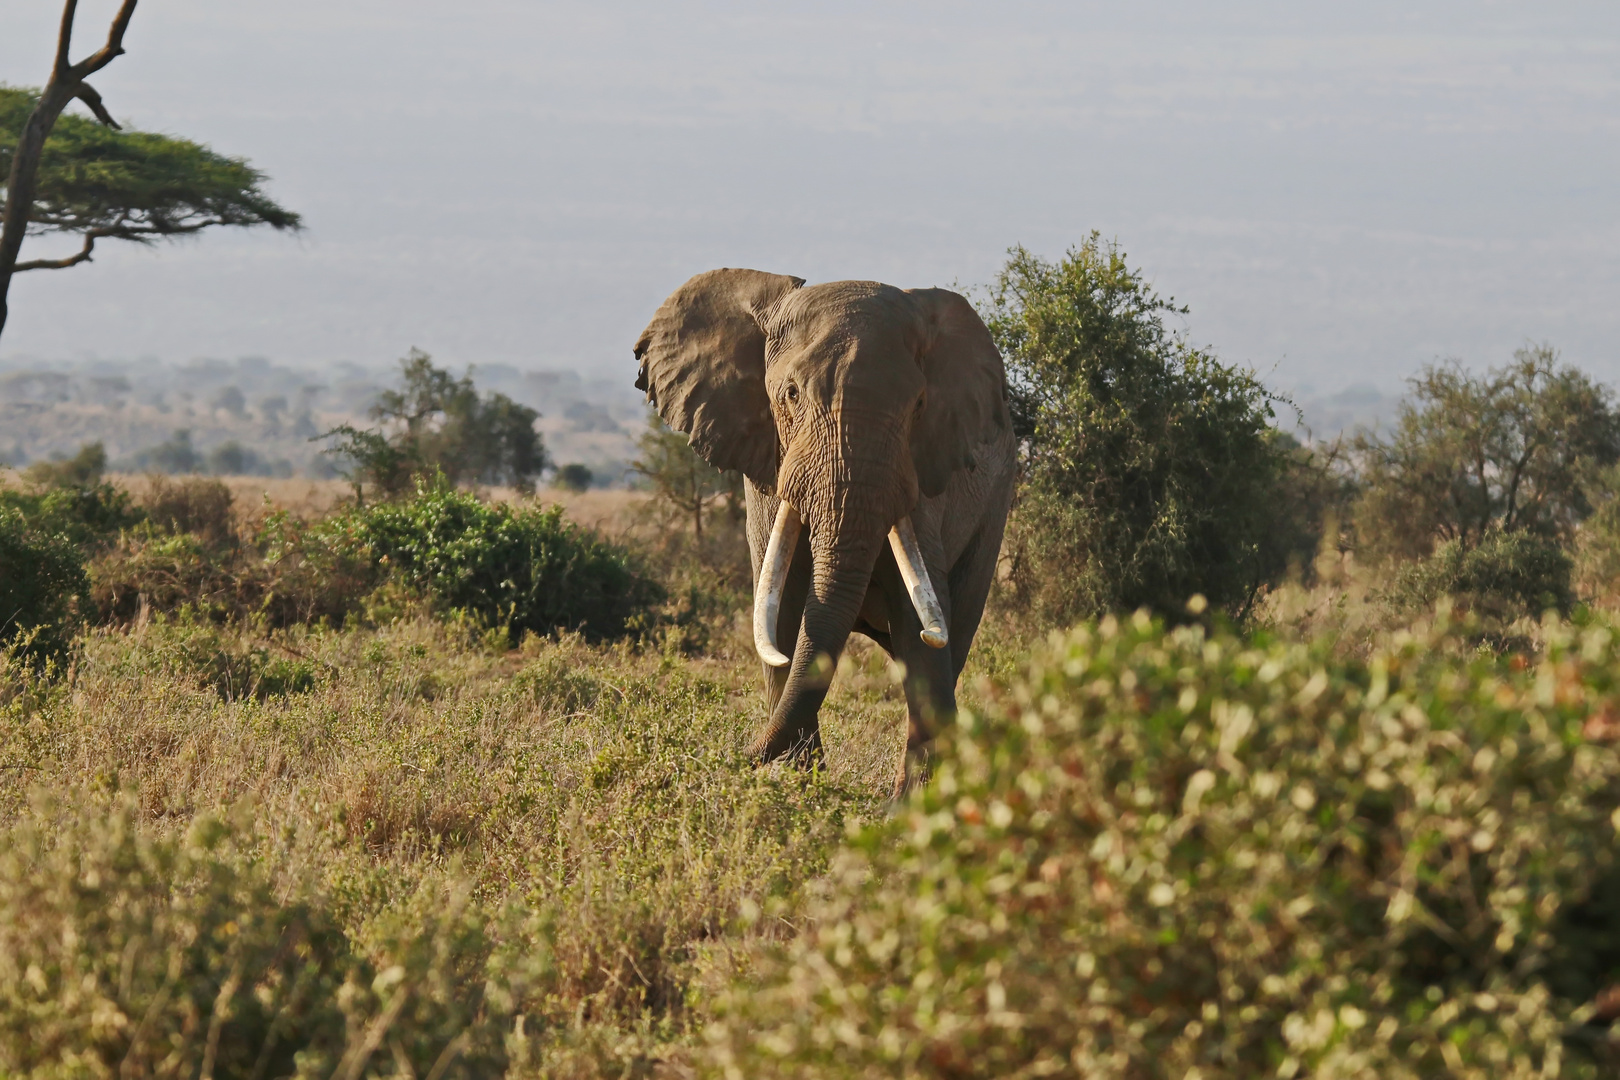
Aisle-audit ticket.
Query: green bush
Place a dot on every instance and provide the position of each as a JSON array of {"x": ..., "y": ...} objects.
[
  {"x": 42, "y": 584},
  {"x": 92, "y": 517},
  {"x": 1166, "y": 854},
  {"x": 1151, "y": 471},
  {"x": 1513, "y": 450},
  {"x": 195, "y": 649},
  {"x": 526, "y": 570},
  {"x": 1508, "y": 576},
  {"x": 169, "y": 572},
  {"x": 125, "y": 952}
]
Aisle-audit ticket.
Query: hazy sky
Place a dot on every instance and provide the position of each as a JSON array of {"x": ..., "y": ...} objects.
[{"x": 1340, "y": 192}]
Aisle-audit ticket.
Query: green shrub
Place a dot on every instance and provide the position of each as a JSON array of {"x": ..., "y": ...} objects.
[
  {"x": 82, "y": 470},
  {"x": 558, "y": 685},
  {"x": 169, "y": 572},
  {"x": 1508, "y": 576},
  {"x": 194, "y": 649},
  {"x": 123, "y": 952},
  {"x": 42, "y": 583},
  {"x": 1166, "y": 854},
  {"x": 312, "y": 573},
  {"x": 527, "y": 570},
  {"x": 1151, "y": 471},
  {"x": 92, "y": 516}
]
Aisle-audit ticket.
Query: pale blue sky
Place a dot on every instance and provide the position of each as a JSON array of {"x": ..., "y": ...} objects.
[{"x": 1341, "y": 192}]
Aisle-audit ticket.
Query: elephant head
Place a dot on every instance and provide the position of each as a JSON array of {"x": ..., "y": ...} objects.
[{"x": 848, "y": 401}]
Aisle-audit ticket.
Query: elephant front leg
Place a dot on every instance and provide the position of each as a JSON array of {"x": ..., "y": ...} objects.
[{"x": 930, "y": 680}]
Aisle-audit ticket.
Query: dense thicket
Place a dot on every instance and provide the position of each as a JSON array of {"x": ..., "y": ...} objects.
[
  {"x": 1150, "y": 467},
  {"x": 526, "y": 570}
]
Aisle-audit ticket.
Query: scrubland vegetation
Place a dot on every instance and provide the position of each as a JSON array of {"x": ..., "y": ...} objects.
[{"x": 1275, "y": 759}]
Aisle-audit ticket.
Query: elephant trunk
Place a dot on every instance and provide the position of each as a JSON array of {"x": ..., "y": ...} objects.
[{"x": 842, "y": 558}]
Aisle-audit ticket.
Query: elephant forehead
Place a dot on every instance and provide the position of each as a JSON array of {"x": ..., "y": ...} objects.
[{"x": 844, "y": 330}]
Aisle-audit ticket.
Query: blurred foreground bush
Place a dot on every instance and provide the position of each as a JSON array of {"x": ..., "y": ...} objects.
[
  {"x": 127, "y": 951},
  {"x": 1166, "y": 854}
]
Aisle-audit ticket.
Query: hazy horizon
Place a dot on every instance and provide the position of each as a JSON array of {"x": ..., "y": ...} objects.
[{"x": 1340, "y": 196}]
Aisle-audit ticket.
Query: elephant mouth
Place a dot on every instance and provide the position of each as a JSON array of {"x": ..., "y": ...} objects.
[{"x": 773, "y": 573}]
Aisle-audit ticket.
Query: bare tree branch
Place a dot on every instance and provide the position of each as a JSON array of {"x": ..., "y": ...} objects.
[
  {"x": 66, "y": 83},
  {"x": 88, "y": 95},
  {"x": 64, "y": 40},
  {"x": 114, "y": 47},
  {"x": 140, "y": 234},
  {"x": 83, "y": 256}
]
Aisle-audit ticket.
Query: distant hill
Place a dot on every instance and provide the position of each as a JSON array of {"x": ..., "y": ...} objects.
[
  {"x": 1326, "y": 415},
  {"x": 255, "y": 416}
]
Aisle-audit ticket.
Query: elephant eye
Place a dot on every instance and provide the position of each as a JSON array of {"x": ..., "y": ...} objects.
[{"x": 792, "y": 393}]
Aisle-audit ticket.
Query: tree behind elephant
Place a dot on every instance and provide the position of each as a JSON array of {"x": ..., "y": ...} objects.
[{"x": 1151, "y": 468}]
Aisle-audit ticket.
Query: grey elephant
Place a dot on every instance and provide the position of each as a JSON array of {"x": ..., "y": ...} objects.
[{"x": 870, "y": 424}]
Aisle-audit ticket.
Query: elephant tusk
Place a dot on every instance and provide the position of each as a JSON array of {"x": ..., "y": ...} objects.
[
  {"x": 772, "y": 576},
  {"x": 914, "y": 572}
]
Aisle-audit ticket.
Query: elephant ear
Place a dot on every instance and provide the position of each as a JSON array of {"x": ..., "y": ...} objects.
[
  {"x": 703, "y": 367},
  {"x": 966, "y": 401}
]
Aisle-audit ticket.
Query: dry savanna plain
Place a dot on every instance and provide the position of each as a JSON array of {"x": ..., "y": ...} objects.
[{"x": 266, "y": 815}]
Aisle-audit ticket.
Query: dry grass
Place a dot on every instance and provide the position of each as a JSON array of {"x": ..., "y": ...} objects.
[
  {"x": 604, "y": 790},
  {"x": 614, "y": 512}
]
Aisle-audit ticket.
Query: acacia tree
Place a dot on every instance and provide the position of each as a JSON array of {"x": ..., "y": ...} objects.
[
  {"x": 68, "y": 174},
  {"x": 436, "y": 423},
  {"x": 1514, "y": 450}
]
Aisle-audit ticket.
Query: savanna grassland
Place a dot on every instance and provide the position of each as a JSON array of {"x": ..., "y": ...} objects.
[
  {"x": 1274, "y": 759},
  {"x": 556, "y": 843},
  {"x": 406, "y": 843}
]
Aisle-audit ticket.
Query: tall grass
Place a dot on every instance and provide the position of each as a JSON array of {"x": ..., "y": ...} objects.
[{"x": 579, "y": 821}]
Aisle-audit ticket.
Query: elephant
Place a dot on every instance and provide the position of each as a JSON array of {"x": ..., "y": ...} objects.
[{"x": 857, "y": 413}]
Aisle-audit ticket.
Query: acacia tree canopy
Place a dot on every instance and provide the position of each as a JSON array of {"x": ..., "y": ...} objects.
[{"x": 98, "y": 182}]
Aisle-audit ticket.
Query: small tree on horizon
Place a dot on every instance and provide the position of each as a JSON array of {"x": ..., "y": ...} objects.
[
  {"x": 436, "y": 424},
  {"x": 680, "y": 477},
  {"x": 68, "y": 174}
]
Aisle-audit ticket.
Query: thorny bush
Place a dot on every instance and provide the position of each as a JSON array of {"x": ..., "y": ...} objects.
[{"x": 1173, "y": 854}]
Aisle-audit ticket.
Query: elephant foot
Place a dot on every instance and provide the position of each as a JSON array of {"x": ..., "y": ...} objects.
[
  {"x": 916, "y": 765},
  {"x": 802, "y": 751}
]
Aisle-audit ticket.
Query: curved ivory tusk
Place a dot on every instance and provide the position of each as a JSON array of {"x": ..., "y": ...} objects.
[
  {"x": 768, "y": 590},
  {"x": 914, "y": 572}
]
